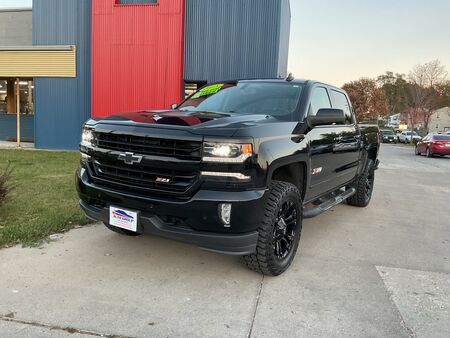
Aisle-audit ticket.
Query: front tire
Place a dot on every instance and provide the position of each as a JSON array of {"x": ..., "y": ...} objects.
[
  {"x": 279, "y": 232},
  {"x": 416, "y": 150},
  {"x": 121, "y": 231},
  {"x": 363, "y": 186},
  {"x": 429, "y": 153}
]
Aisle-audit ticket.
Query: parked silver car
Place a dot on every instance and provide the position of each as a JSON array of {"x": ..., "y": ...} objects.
[{"x": 405, "y": 136}]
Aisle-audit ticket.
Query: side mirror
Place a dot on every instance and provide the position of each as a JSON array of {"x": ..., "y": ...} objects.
[
  {"x": 327, "y": 116},
  {"x": 173, "y": 106}
]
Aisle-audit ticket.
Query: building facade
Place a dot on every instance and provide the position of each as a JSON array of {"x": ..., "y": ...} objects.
[
  {"x": 15, "y": 30},
  {"x": 146, "y": 54},
  {"x": 440, "y": 120}
]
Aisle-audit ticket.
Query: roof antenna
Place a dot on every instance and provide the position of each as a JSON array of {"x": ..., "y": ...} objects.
[{"x": 290, "y": 77}]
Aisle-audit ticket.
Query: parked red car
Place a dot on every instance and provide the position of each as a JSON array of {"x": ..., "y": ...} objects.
[{"x": 434, "y": 144}]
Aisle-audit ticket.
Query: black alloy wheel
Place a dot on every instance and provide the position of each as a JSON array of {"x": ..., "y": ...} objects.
[
  {"x": 284, "y": 229},
  {"x": 369, "y": 185},
  {"x": 279, "y": 231},
  {"x": 363, "y": 186}
]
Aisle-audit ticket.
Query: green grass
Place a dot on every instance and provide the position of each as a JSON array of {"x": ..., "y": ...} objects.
[{"x": 44, "y": 199}]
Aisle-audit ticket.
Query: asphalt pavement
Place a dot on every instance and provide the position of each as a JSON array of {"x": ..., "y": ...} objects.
[{"x": 380, "y": 271}]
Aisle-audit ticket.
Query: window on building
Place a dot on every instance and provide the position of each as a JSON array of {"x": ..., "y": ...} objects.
[
  {"x": 340, "y": 102},
  {"x": 8, "y": 98},
  {"x": 319, "y": 100},
  {"x": 136, "y": 2}
]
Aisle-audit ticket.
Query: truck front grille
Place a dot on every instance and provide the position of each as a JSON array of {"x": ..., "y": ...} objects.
[
  {"x": 181, "y": 149},
  {"x": 141, "y": 179}
]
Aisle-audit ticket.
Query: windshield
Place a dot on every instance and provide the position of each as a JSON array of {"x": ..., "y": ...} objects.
[
  {"x": 387, "y": 132},
  {"x": 277, "y": 99}
]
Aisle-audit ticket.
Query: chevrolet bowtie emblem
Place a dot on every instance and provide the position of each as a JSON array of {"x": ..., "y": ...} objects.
[{"x": 130, "y": 158}]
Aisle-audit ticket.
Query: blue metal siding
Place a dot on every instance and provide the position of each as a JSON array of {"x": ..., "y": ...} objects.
[
  {"x": 233, "y": 39},
  {"x": 285, "y": 32},
  {"x": 8, "y": 127},
  {"x": 63, "y": 104}
]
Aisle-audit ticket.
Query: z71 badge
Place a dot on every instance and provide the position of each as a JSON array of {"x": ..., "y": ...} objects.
[{"x": 162, "y": 180}]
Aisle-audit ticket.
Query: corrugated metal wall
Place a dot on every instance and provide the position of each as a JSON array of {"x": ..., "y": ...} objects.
[
  {"x": 285, "y": 32},
  {"x": 63, "y": 104},
  {"x": 8, "y": 127},
  {"x": 233, "y": 39},
  {"x": 137, "y": 56}
]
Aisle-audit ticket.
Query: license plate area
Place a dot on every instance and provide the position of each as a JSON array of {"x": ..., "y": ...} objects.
[{"x": 123, "y": 218}]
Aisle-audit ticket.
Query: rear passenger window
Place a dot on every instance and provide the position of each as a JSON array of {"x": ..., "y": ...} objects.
[
  {"x": 340, "y": 102},
  {"x": 319, "y": 100}
]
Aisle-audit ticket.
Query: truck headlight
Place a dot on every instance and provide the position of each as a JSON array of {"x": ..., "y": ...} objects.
[
  {"x": 87, "y": 137},
  {"x": 227, "y": 152}
]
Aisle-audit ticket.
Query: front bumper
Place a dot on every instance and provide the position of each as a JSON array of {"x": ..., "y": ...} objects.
[
  {"x": 389, "y": 140},
  {"x": 194, "y": 221}
]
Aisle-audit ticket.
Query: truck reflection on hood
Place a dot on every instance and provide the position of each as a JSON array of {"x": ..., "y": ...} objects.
[{"x": 169, "y": 117}]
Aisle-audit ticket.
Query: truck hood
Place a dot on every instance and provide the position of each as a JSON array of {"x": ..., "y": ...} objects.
[{"x": 204, "y": 123}]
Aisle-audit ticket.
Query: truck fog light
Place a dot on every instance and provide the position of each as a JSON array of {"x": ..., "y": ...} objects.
[{"x": 225, "y": 213}]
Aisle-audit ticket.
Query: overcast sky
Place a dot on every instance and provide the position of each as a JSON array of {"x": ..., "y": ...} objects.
[{"x": 337, "y": 41}]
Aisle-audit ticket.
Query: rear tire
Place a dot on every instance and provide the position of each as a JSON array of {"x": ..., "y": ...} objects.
[
  {"x": 279, "y": 232},
  {"x": 363, "y": 186},
  {"x": 121, "y": 231}
]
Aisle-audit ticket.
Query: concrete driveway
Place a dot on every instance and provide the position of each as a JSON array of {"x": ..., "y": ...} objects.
[{"x": 379, "y": 271}]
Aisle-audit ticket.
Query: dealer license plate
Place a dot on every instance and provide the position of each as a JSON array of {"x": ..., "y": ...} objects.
[{"x": 123, "y": 218}]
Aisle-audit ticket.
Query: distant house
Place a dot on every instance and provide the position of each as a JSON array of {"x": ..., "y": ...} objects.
[
  {"x": 393, "y": 121},
  {"x": 440, "y": 120}
]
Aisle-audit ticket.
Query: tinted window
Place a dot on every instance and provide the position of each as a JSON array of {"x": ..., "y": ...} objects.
[
  {"x": 276, "y": 99},
  {"x": 319, "y": 100},
  {"x": 340, "y": 102},
  {"x": 442, "y": 137},
  {"x": 386, "y": 132}
]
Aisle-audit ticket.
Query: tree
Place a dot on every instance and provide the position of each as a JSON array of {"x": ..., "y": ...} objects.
[
  {"x": 429, "y": 74},
  {"x": 394, "y": 87},
  {"x": 426, "y": 91},
  {"x": 444, "y": 92},
  {"x": 368, "y": 99}
]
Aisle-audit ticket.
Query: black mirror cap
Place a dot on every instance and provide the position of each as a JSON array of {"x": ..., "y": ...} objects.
[{"x": 327, "y": 116}]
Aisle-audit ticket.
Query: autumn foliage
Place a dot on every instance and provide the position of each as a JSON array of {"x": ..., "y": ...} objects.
[
  {"x": 417, "y": 96},
  {"x": 368, "y": 99}
]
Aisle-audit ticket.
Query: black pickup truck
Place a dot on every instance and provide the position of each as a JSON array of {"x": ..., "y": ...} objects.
[{"x": 234, "y": 168}]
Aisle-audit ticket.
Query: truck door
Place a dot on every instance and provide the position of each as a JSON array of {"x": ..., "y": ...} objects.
[
  {"x": 346, "y": 148},
  {"x": 321, "y": 141}
]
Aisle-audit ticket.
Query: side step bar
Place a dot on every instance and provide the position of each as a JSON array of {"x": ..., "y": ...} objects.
[{"x": 313, "y": 212}]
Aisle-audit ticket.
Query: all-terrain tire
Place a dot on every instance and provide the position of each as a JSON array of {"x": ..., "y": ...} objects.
[
  {"x": 363, "y": 192},
  {"x": 121, "y": 231},
  {"x": 265, "y": 260}
]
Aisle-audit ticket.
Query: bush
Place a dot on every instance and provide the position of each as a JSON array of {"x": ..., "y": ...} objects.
[
  {"x": 5, "y": 188},
  {"x": 414, "y": 141}
]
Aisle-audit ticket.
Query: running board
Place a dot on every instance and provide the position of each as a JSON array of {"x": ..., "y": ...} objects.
[{"x": 313, "y": 212}]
